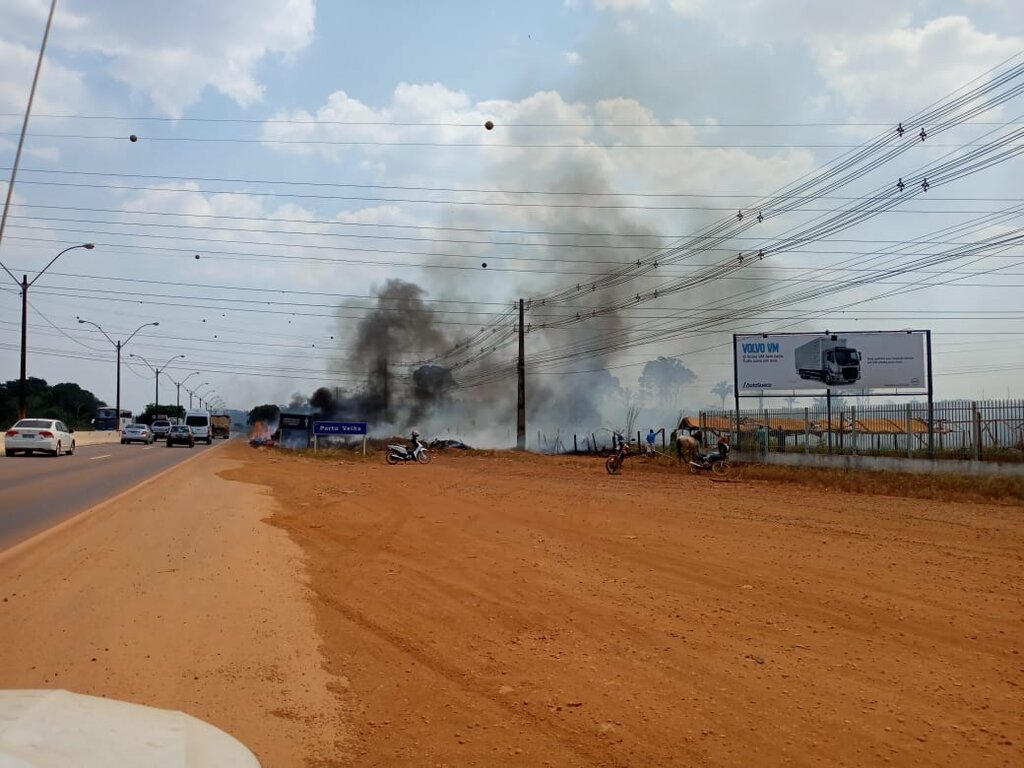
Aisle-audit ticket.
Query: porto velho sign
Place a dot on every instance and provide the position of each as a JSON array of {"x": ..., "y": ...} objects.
[
  {"x": 880, "y": 360},
  {"x": 325, "y": 428}
]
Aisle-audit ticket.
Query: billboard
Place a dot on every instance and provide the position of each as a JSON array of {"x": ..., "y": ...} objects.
[{"x": 816, "y": 361}]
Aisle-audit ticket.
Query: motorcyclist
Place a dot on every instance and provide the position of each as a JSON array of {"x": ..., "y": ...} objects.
[
  {"x": 721, "y": 452},
  {"x": 415, "y": 439}
]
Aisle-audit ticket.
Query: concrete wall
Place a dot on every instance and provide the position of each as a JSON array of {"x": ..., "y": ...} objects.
[
  {"x": 93, "y": 438},
  {"x": 883, "y": 464}
]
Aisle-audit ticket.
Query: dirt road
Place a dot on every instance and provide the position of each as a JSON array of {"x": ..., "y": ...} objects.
[{"x": 516, "y": 610}]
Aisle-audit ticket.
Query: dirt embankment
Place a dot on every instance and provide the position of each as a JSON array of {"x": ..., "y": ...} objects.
[{"x": 516, "y": 610}]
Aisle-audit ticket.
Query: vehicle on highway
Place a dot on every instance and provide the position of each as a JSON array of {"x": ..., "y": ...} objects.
[
  {"x": 221, "y": 424},
  {"x": 106, "y": 418},
  {"x": 137, "y": 433},
  {"x": 160, "y": 427},
  {"x": 41, "y": 435},
  {"x": 181, "y": 434},
  {"x": 201, "y": 424}
]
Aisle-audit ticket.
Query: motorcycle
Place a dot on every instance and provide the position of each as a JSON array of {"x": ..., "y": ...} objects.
[
  {"x": 398, "y": 453},
  {"x": 614, "y": 462},
  {"x": 713, "y": 463}
]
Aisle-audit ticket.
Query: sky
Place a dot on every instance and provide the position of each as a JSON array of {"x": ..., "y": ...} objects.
[{"x": 293, "y": 157}]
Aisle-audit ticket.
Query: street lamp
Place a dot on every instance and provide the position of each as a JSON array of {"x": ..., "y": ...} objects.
[
  {"x": 157, "y": 372},
  {"x": 25, "y": 284},
  {"x": 193, "y": 391},
  {"x": 118, "y": 345},
  {"x": 177, "y": 384}
]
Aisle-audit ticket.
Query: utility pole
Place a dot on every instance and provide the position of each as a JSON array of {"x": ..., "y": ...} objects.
[
  {"x": 24, "y": 345},
  {"x": 117, "y": 396},
  {"x": 521, "y": 376}
]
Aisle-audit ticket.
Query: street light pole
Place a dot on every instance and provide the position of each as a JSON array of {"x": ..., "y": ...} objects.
[
  {"x": 118, "y": 345},
  {"x": 157, "y": 372},
  {"x": 177, "y": 398},
  {"x": 193, "y": 392},
  {"x": 25, "y": 284}
]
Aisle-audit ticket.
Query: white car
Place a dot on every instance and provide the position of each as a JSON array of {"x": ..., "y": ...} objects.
[{"x": 44, "y": 435}]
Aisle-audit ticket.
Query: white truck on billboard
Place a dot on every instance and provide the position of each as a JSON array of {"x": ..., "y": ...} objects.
[{"x": 829, "y": 360}]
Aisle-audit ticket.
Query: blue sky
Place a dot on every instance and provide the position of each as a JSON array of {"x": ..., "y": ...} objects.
[{"x": 317, "y": 148}]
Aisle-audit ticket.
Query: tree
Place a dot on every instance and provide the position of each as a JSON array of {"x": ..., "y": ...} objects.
[
  {"x": 664, "y": 378},
  {"x": 723, "y": 389},
  {"x": 264, "y": 413},
  {"x": 67, "y": 402}
]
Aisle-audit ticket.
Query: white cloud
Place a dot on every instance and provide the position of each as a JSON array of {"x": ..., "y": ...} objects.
[
  {"x": 874, "y": 56},
  {"x": 893, "y": 72},
  {"x": 572, "y": 57},
  {"x": 60, "y": 89},
  {"x": 623, "y": 5},
  {"x": 174, "y": 51},
  {"x": 687, "y": 7}
]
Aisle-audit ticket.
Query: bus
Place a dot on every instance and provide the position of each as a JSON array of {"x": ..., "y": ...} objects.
[{"x": 106, "y": 419}]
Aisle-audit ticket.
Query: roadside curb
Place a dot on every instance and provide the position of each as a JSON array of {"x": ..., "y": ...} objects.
[{"x": 78, "y": 517}]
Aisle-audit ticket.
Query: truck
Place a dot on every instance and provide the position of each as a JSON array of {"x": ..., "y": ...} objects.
[
  {"x": 828, "y": 359},
  {"x": 221, "y": 424}
]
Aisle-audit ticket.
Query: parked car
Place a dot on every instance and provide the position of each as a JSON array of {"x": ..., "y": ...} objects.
[
  {"x": 137, "y": 433},
  {"x": 180, "y": 434},
  {"x": 160, "y": 427},
  {"x": 43, "y": 435}
]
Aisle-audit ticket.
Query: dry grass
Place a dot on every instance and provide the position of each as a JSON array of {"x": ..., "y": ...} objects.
[{"x": 1005, "y": 490}]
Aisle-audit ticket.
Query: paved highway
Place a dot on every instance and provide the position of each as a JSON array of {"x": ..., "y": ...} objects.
[{"x": 37, "y": 492}]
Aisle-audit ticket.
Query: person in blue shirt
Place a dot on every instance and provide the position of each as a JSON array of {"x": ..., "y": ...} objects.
[{"x": 651, "y": 436}]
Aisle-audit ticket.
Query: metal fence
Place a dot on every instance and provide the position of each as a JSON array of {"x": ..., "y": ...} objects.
[{"x": 986, "y": 431}]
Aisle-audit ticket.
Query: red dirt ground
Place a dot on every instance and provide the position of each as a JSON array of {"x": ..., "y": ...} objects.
[{"x": 511, "y": 610}]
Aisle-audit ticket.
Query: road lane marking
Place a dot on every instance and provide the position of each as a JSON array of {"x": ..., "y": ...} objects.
[{"x": 104, "y": 456}]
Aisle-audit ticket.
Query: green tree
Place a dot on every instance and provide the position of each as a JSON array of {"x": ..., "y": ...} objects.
[
  {"x": 68, "y": 402},
  {"x": 264, "y": 413},
  {"x": 664, "y": 378}
]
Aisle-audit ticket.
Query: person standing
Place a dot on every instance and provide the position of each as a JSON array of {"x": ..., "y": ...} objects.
[{"x": 651, "y": 436}]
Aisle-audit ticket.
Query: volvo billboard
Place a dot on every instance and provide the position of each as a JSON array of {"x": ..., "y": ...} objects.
[{"x": 815, "y": 361}]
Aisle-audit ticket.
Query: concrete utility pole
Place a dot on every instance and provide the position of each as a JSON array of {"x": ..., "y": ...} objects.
[{"x": 521, "y": 375}]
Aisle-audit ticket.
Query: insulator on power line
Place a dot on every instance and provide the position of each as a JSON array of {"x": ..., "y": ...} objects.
[
  {"x": 899, "y": 130},
  {"x": 925, "y": 185},
  {"x": 638, "y": 263},
  {"x": 638, "y": 298},
  {"x": 760, "y": 254},
  {"x": 899, "y": 184},
  {"x": 739, "y": 215},
  {"x": 922, "y": 135},
  {"x": 760, "y": 218},
  {"x": 655, "y": 265}
]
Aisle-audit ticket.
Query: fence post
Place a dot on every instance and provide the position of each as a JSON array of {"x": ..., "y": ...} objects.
[
  {"x": 853, "y": 427},
  {"x": 976, "y": 423},
  {"x": 807, "y": 430},
  {"x": 910, "y": 444},
  {"x": 842, "y": 431}
]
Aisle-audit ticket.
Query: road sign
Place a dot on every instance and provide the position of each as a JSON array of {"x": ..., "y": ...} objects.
[{"x": 324, "y": 428}]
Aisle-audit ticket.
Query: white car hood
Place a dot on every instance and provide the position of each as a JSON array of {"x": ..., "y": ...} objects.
[{"x": 55, "y": 729}]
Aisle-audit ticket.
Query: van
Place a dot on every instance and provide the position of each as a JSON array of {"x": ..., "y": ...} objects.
[{"x": 199, "y": 421}]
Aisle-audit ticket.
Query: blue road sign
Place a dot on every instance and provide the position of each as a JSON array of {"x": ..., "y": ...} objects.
[{"x": 339, "y": 427}]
